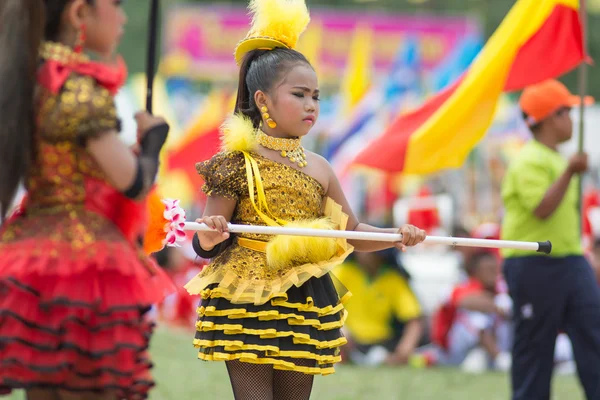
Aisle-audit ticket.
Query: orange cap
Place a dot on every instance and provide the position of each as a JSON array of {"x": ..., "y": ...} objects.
[{"x": 541, "y": 100}]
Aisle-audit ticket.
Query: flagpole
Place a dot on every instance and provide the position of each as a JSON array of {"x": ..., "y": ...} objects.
[
  {"x": 583, "y": 82},
  {"x": 153, "y": 20},
  {"x": 540, "y": 247}
]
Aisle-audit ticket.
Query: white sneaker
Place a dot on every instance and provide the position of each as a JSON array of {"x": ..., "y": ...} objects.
[
  {"x": 475, "y": 362},
  {"x": 503, "y": 362},
  {"x": 373, "y": 358},
  {"x": 357, "y": 357},
  {"x": 376, "y": 356}
]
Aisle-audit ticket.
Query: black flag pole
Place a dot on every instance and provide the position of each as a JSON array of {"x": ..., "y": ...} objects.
[{"x": 153, "y": 21}]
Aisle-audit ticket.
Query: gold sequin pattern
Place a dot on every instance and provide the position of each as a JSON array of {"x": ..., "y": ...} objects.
[
  {"x": 279, "y": 144},
  {"x": 80, "y": 110},
  {"x": 61, "y": 53},
  {"x": 291, "y": 194},
  {"x": 60, "y": 165},
  {"x": 224, "y": 175},
  {"x": 73, "y": 225},
  {"x": 288, "y": 148},
  {"x": 78, "y": 236}
]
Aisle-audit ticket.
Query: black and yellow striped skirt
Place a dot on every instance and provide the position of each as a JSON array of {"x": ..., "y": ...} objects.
[{"x": 301, "y": 324}]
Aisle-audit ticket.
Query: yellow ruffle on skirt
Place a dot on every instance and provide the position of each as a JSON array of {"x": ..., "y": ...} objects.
[{"x": 299, "y": 332}]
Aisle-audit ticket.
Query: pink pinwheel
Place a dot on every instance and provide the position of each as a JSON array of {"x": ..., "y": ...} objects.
[{"x": 175, "y": 217}]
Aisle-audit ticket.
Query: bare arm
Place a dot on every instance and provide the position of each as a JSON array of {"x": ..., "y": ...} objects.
[
  {"x": 411, "y": 235},
  {"x": 408, "y": 343},
  {"x": 217, "y": 214},
  {"x": 129, "y": 173},
  {"x": 578, "y": 163},
  {"x": 482, "y": 302},
  {"x": 367, "y": 246},
  {"x": 554, "y": 196},
  {"x": 115, "y": 159}
]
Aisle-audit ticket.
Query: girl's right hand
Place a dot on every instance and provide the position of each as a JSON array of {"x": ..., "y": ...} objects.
[
  {"x": 145, "y": 122},
  {"x": 220, "y": 233}
]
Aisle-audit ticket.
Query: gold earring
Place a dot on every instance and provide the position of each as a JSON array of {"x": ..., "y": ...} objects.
[{"x": 265, "y": 114}]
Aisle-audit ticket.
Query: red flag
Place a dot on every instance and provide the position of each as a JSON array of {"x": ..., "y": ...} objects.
[{"x": 538, "y": 40}]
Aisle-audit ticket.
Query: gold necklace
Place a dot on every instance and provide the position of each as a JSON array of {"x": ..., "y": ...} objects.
[{"x": 288, "y": 148}]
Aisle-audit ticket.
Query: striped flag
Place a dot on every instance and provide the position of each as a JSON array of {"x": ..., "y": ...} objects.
[{"x": 538, "y": 40}]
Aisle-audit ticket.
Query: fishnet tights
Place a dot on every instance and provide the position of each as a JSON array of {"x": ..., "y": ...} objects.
[
  {"x": 262, "y": 382},
  {"x": 290, "y": 385}
]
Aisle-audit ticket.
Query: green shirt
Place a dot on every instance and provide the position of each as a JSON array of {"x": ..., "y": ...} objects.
[{"x": 527, "y": 180}]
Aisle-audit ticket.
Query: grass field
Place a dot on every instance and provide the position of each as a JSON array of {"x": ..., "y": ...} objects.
[{"x": 180, "y": 376}]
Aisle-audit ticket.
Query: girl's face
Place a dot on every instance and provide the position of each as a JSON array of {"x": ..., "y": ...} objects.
[
  {"x": 293, "y": 103},
  {"x": 104, "y": 23}
]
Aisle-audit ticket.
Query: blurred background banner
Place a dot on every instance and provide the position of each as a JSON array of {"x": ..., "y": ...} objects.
[
  {"x": 200, "y": 38},
  {"x": 372, "y": 66}
]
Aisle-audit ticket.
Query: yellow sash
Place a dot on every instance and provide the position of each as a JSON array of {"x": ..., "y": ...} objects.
[
  {"x": 256, "y": 245},
  {"x": 253, "y": 177}
]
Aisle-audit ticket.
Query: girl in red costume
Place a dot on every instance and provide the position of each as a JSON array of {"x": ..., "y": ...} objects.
[{"x": 74, "y": 286}]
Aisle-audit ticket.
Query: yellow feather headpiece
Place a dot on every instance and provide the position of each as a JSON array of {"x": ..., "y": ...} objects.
[{"x": 275, "y": 23}]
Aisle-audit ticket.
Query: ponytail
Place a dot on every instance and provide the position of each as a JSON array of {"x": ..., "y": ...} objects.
[
  {"x": 260, "y": 70},
  {"x": 21, "y": 25},
  {"x": 245, "y": 100}
]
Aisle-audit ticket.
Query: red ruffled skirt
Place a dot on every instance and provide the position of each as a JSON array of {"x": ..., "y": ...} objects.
[{"x": 73, "y": 298}]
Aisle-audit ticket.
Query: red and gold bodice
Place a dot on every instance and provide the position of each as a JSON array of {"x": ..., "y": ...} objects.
[
  {"x": 61, "y": 163},
  {"x": 69, "y": 199}
]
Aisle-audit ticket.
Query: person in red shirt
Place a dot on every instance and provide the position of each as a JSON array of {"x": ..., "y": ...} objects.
[
  {"x": 591, "y": 202},
  {"x": 182, "y": 264},
  {"x": 491, "y": 231},
  {"x": 594, "y": 256},
  {"x": 472, "y": 318}
]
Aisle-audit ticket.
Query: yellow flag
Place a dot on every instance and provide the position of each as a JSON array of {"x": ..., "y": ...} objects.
[
  {"x": 357, "y": 79},
  {"x": 463, "y": 120},
  {"x": 310, "y": 44}
]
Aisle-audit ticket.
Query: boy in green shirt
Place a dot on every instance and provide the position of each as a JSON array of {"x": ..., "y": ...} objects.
[{"x": 556, "y": 292}]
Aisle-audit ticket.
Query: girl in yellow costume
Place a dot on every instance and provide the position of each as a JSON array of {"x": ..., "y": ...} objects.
[{"x": 269, "y": 307}]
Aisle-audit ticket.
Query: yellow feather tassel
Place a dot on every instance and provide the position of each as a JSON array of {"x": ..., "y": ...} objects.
[
  {"x": 286, "y": 250},
  {"x": 283, "y": 20},
  {"x": 238, "y": 134}
]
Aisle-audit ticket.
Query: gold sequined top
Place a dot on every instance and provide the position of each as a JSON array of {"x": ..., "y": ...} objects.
[
  {"x": 242, "y": 273},
  {"x": 59, "y": 190},
  {"x": 81, "y": 110},
  {"x": 291, "y": 194}
]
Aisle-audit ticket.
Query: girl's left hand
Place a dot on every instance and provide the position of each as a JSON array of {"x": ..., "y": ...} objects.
[{"x": 411, "y": 236}]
